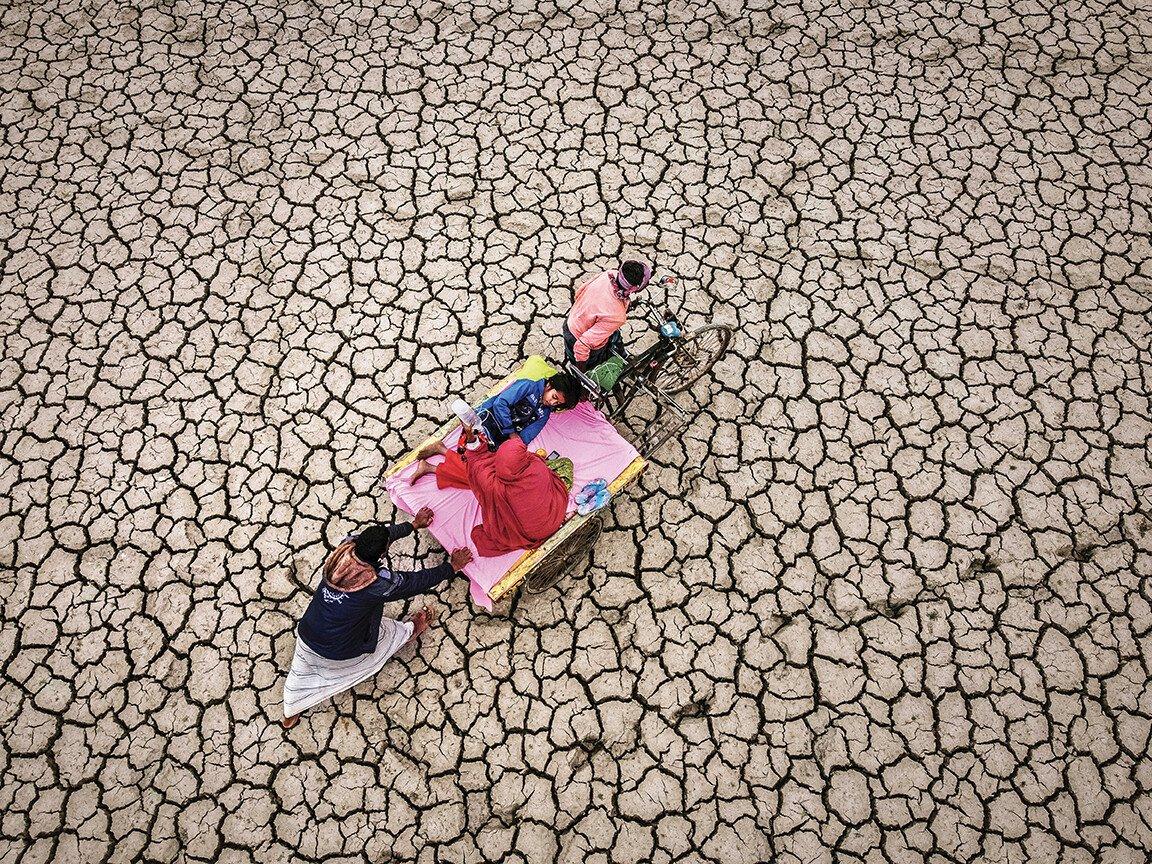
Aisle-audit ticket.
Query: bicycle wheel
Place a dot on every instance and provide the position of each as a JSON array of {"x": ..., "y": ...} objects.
[
  {"x": 564, "y": 560},
  {"x": 695, "y": 354}
]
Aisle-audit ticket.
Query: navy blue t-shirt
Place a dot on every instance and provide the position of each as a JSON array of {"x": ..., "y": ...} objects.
[{"x": 340, "y": 625}]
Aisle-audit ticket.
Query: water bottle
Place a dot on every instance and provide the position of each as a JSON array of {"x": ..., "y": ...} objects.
[{"x": 465, "y": 413}]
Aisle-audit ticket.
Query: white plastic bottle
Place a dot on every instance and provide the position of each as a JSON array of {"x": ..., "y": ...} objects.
[
  {"x": 469, "y": 418},
  {"x": 465, "y": 413}
]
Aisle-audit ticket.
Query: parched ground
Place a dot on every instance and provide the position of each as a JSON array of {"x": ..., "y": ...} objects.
[{"x": 887, "y": 600}]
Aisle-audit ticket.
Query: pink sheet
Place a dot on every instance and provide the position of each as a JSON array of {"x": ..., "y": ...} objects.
[{"x": 583, "y": 434}]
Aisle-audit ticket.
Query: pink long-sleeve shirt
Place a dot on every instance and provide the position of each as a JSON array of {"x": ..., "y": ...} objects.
[{"x": 596, "y": 314}]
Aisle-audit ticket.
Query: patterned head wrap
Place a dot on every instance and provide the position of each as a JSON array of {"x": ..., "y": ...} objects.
[{"x": 624, "y": 288}]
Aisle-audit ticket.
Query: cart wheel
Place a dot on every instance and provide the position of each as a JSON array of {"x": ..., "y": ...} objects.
[
  {"x": 695, "y": 354},
  {"x": 563, "y": 560}
]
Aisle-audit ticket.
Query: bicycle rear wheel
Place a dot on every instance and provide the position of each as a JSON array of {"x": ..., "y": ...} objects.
[{"x": 695, "y": 354}]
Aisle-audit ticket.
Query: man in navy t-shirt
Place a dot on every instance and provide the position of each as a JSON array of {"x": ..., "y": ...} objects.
[{"x": 343, "y": 619}]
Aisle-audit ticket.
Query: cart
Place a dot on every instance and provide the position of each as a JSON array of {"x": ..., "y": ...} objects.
[{"x": 601, "y": 431}]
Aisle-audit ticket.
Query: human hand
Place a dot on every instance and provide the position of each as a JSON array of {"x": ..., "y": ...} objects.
[
  {"x": 460, "y": 559},
  {"x": 423, "y": 518}
]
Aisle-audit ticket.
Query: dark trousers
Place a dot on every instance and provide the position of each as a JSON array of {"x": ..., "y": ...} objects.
[{"x": 595, "y": 358}]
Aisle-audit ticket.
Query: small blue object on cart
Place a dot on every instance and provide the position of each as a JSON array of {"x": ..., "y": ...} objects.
[{"x": 592, "y": 497}]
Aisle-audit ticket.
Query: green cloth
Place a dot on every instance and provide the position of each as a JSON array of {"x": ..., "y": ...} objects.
[
  {"x": 564, "y": 468},
  {"x": 607, "y": 373}
]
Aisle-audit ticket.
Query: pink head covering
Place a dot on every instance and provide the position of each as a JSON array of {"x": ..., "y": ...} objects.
[
  {"x": 624, "y": 288},
  {"x": 345, "y": 572}
]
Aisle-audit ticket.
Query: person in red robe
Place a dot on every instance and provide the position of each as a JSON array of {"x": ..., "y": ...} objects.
[{"x": 523, "y": 502}]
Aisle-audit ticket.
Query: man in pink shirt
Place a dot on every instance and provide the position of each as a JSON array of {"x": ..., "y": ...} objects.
[{"x": 592, "y": 331}]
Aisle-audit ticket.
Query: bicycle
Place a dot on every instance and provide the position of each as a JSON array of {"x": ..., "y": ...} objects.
[{"x": 668, "y": 367}]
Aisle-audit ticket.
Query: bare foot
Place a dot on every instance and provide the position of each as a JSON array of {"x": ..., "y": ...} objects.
[
  {"x": 432, "y": 448},
  {"x": 423, "y": 468},
  {"x": 421, "y": 621},
  {"x": 289, "y": 722}
]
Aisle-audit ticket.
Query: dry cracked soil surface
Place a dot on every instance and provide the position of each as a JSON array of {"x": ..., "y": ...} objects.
[{"x": 887, "y": 597}]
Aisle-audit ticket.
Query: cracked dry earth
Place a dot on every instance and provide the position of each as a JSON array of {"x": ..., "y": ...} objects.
[{"x": 886, "y": 600}]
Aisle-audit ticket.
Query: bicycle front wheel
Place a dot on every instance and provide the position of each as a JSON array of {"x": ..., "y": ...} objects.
[{"x": 695, "y": 355}]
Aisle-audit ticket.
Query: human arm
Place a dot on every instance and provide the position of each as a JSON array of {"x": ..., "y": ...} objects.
[
  {"x": 413, "y": 582},
  {"x": 580, "y": 351},
  {"x": 596, "y": 336},
  {"x": 395, "y": 532},
  {"x": 405, "y": 584}
]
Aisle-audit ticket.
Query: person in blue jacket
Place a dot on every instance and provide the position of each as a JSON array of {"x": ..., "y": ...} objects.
[{"x": 523, "y": 407}]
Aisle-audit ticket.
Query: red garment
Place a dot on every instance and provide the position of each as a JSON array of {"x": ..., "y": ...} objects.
[
  {"x": 452, "y": 473},
  {"x": 522, "y": 500}
]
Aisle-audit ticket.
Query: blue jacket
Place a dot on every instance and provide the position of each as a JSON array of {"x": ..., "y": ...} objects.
[
  {"x": 340, "y": 625},
  {"x": 518, "y": 408}
]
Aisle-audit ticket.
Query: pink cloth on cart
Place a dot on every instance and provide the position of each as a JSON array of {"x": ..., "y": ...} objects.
[{"x": 583, "y": 434}]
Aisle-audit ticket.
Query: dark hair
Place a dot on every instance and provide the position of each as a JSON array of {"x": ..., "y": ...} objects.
[
  {"x": 569, "y": 388},
  {"x": 633, "y": 271},
  {"x": 371, "y": 543}
]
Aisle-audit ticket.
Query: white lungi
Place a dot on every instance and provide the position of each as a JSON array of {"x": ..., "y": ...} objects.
[{"x": 313, "y": 678}]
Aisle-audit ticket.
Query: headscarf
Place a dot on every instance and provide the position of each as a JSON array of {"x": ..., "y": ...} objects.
[
  {"x": 625, "y": 289},
  {"x": 345, "y": 572},
  {"x": 511, "y": 462}
]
